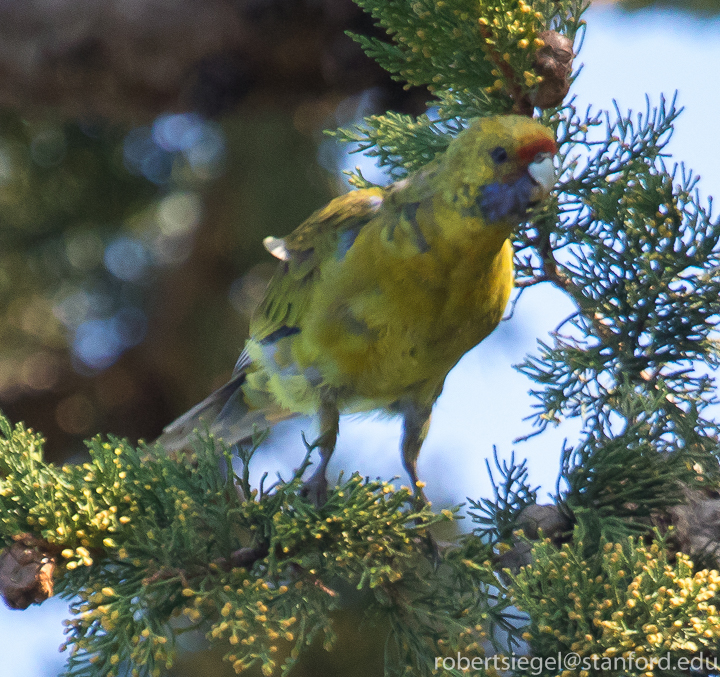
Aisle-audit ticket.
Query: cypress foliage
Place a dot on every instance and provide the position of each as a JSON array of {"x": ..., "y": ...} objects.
[{"x": 148, "y": 546}]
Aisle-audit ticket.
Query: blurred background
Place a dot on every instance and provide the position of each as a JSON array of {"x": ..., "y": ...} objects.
[{"x": 148, "y": 146}]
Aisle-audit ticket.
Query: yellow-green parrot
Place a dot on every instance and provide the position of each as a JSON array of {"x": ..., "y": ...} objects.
[{"x": 380, "y": 293}]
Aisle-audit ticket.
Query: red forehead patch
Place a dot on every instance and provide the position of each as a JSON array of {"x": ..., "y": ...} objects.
[{"x": 528, "y": 151}]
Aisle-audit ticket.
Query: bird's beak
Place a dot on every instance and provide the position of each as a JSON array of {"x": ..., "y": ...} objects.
[{"x": 542, "y": 173}]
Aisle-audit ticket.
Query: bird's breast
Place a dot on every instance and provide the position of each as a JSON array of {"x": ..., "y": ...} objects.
[{"x": 392, "y": 317}]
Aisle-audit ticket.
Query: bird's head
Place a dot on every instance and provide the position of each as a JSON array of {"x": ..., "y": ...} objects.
[{"x": 501, "y": 166}]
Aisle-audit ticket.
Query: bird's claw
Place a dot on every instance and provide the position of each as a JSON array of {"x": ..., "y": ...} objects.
[{"x": 315, "y": 489}]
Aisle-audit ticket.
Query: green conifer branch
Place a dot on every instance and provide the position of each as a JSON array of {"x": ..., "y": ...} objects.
[
  {"x": 472, "y": 56},
  {"x": 496, "y": 518},
  {"x": 150, "y": 546},
  {"x": 628, "y": 599},
  {"x": 637, "y": 253},
  {"x": 147, "y": 546}
]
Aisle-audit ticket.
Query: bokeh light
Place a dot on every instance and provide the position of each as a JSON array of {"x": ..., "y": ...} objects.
[
  {"x": 144, "y": 157},
  {"x": 48, "y": 147},
  {"x": 179, "y": 213},
  {"x": 106, "y": 212},
  {"x": 152, "y": 151},
  {"x": 83, "y": 248},
  {"x": 99, "y": 342},
  {"x": 127, "y": 259},
  {"x": 201, "y": 141}
]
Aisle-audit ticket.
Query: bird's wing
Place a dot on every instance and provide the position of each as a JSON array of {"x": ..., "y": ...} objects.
[{"x": 328, "y": 232}]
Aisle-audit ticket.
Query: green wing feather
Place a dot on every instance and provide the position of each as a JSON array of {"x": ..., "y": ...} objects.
[{"x": 327, "y": 232}]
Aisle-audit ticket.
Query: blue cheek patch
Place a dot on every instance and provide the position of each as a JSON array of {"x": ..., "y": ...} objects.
[{"x": 499, "y": 201}]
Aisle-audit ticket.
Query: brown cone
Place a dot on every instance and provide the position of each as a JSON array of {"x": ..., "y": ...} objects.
[
  {"x": 554, "y": 63},
  {"x": 26, "y": 572}
]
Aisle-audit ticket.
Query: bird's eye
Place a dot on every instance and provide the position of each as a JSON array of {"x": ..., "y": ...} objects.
[{"x": 499, "y": 155}]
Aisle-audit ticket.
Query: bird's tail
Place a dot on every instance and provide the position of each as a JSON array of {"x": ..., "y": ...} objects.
[{"x": 224, "y": 414}]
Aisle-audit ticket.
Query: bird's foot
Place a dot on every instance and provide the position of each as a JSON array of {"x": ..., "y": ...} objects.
[
  {"x": 433, "y": 549},
  {"x": 315, "y": 489},
  {"x": 419, "y": 499}
]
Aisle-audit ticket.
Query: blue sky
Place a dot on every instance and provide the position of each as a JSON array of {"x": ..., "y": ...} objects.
[{"x": 485, "y": 400}]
